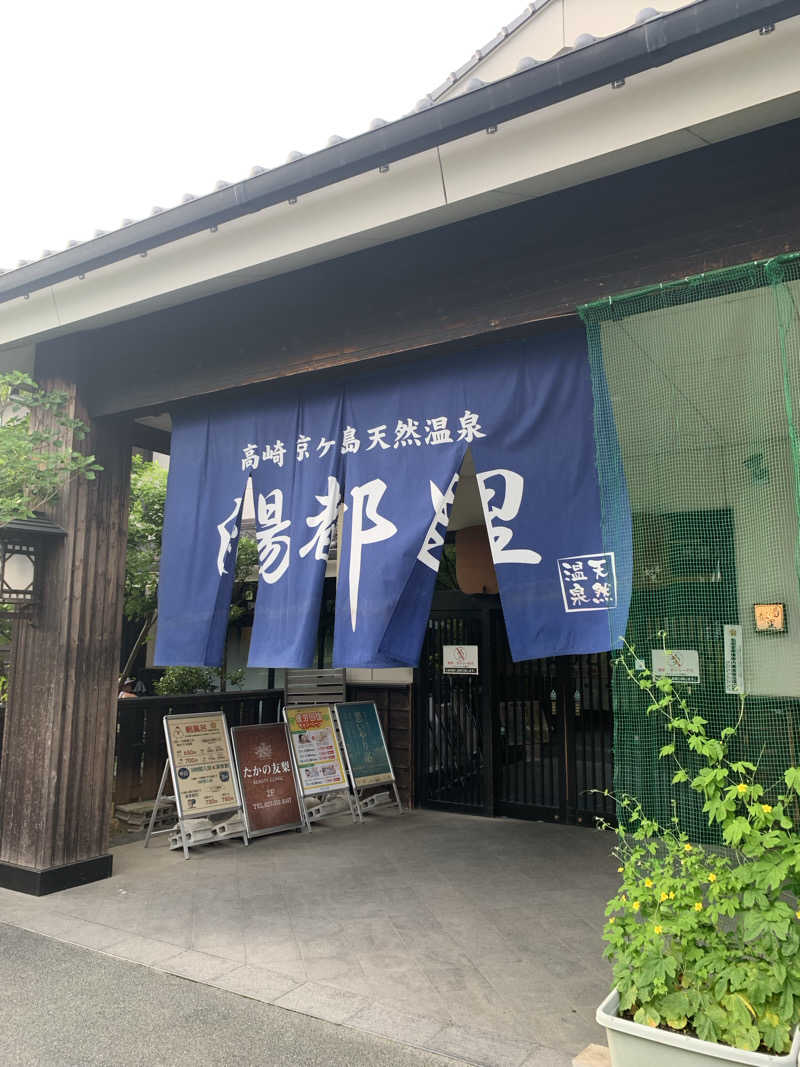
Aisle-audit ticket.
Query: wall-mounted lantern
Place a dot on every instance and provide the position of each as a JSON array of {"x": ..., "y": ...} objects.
[{"x": 22, "y": 544}]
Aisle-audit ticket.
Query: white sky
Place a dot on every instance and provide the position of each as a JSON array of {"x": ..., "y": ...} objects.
[{"x": 111, "y": 108}]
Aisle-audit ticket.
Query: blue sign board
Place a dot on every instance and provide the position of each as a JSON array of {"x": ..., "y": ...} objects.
[{"x": 364, "y": 743}]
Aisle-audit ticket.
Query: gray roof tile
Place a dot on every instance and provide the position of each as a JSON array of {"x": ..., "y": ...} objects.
[{"x": 583, "y": 40}]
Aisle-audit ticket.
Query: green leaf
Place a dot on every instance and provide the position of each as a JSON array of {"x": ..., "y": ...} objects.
[
  {"x": 647, "y": 1016},
  {"x": 667, "y": 750},
  {"x": 705, "y": 1028},
  {"x": 680, "y": 776},
  {"x": 736, "y": 831}
]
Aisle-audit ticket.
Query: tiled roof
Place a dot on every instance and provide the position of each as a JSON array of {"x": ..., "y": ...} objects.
[
  {"x": 431, "y": 100},
  {"x": 581, "y": 41},
  {"x": 481, "y": 54}
]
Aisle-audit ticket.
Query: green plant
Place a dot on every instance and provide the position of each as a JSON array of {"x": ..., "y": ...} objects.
[
  {"x": 706, "y": 940},
  {"x": 35, "y": 462},
  {"x": 145, "y": 523},
  {"x": 188, "y": 680},
  {"x": 143, "y": 557}
]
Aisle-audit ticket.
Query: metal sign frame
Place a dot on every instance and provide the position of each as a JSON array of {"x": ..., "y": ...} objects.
[
  {"x": 330, "y": 804},
  {"x": 363, "y": 804},
  {"x": 173, "y": 770},
  {"x": 316, "y": 790},
  {"x": 183, "y": 836},
  {"x": 303, "y": 822}
]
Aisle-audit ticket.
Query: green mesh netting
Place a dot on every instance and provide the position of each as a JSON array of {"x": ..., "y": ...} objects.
[{"x": 704, "y": 377}]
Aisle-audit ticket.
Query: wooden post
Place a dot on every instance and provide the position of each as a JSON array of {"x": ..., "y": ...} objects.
[{"x": 60, "y": 724}]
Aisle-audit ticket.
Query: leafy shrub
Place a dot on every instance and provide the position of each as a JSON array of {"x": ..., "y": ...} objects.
[{"x": 704, "y": 940}]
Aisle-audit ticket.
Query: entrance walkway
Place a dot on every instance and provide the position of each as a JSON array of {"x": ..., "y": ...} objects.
[{"x": 475, "y": 938}]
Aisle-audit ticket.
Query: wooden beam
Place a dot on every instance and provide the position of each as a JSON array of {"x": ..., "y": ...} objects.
[
  {"x": 60, "y": 722},
  {"x": 714, "y": 207},
  {"x": 150, "y": 438}
]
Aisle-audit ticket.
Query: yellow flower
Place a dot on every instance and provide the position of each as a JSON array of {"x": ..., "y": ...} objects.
[
  {"x": 698, "y": 906},
  {"x": 712, "y": 878},
  {"x": 620, "y": 870},
  {"x": 766, "y": 808},
  {"x": 671, "y": 895},
  {"x": 663, "y": 897},
  {"x": 687, "y": 848},
  {"x": 648, "y": 883},
  {"x": 741, "y": 787},
  {"x": 636, "y": 905},
  {"x": 612, "y": 919},
  {"x": 797, "y": 914},
  {"x": 623, "y": 898},
  {"x": 659, "y": 929}
]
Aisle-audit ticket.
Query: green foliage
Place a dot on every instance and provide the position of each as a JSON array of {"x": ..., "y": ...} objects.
[
  {"x": 176, "y": 681},
  {"x": 36, "y": 463},
  {"x": 145, "y": 523},
  {"x": 246, "y": 558},
  {"x": 702, "y": 939}
]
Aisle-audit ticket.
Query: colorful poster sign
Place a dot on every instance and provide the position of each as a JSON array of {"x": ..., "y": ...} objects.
[
  {"x": 202, "y": 764},
  {"x": 734, "y": 660},
  {"x": 267, "y": 781},
  {"x": 319, "y": 761},
  {"x": 364, "y": 744},
  {"x": 682, "y": 664},
  {"x": 459, "y": 659}
]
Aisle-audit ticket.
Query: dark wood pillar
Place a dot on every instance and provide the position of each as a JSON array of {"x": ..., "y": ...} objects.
[{"x": 60, "y": 723}]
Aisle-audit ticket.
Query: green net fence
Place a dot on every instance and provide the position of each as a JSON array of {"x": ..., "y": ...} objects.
[{"x": 704, "y": 378}]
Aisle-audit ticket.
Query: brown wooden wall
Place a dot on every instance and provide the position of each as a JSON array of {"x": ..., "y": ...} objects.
[
  {"x": 60, "y": 723},
  {"x": 141, "y": 748},
  {"x": 725, "y": 204},
  {"x": 395, "y": 709}
]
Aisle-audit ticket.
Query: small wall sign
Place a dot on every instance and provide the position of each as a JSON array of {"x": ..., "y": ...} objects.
[
  {"x": 459, "y": 659},
  {"x": 770, "y": 618},
  {"x": 734, "y": 660},
  {"x": 682, "y": 664}
]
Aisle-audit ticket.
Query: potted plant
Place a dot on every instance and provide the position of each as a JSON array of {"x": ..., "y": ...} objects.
[{"x": 705, "y": 940}]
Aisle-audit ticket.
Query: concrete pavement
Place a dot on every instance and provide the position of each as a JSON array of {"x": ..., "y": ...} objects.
[
  {"x": 477, "y": 939},
  {"x": 65, "y": 1006}
]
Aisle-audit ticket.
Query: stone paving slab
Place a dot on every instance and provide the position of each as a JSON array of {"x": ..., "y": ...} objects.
[{"x": 474, "y": 938}]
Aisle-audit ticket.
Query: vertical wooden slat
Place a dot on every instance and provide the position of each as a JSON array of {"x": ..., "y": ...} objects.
[{"x": 55, "y": 785}]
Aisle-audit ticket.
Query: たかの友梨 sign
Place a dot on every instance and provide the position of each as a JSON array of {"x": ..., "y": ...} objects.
[
  {"x": 319, "y": 761},
  {"x": 267, "y": 779},
  {"x": 201, "y": 763},
  {"x": 364, "y": 744}
]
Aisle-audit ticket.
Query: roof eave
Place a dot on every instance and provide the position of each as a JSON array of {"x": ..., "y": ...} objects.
[{"x": 622, "y": 55}]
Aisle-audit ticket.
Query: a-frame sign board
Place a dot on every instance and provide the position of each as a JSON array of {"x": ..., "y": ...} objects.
[
  {"x": 204, "y": 783},
  {"x": 270, "y": 788},
  {"x": 319, "y": 761},
  {"x": 367, "y": 755}
]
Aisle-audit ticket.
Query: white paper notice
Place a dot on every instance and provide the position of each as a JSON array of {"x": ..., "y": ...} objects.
[
  {"x": 459, "y": 659},
  {"x": 682, "y": 664},
  {"x": 734, "y": 660}
]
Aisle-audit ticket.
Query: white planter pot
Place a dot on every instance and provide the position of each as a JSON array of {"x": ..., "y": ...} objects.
[{"x": 634, "y": 1045}]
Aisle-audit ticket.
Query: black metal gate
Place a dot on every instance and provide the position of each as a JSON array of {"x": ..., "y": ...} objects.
[
  {"x": 451, "y": 750},
  {"x": 528, "y": 740}
]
